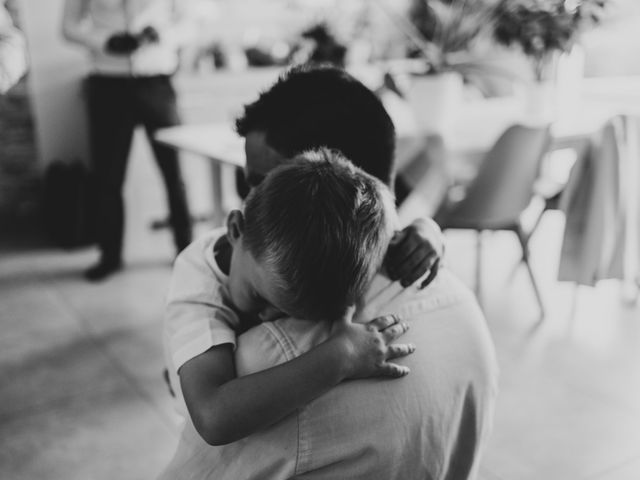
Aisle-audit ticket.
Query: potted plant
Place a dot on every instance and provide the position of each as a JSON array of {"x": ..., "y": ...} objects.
[
  {"x": 543, "y": 29},
  {"x": 441, "y": 33},
  {"x": 444, "y": 31}
]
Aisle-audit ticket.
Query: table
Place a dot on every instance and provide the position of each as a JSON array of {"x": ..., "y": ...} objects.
[
  {"x": 216, "y": 142},
  {"x": 480, "y": 123}
]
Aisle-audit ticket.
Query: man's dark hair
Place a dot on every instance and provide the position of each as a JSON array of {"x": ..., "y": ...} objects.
[
  {"x": 321, "y": 227},
  {"x": 323, "y": 106}
]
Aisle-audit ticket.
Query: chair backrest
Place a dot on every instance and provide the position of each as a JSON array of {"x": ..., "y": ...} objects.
[{"x": 503, "y": 187}]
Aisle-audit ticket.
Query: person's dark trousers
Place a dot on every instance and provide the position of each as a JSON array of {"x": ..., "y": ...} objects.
[{"x": 116, "y": 106}]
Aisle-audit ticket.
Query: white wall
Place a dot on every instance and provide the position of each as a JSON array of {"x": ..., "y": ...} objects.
[{"x": 56, "y": 71}]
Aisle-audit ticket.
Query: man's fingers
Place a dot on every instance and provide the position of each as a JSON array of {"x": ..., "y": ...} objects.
[
  {"x": 398, "y": 350},
  {"x": 394, "y": 331},
  {"x": 393, "y": 370},
  {"x": 385, "y": 321}
]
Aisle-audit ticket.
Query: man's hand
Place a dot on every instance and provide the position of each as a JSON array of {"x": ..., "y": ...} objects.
[
  {"x": 367, "y": 348},
  {"x": 122, "y": 44},
  {"x": 415, "y": 251}
]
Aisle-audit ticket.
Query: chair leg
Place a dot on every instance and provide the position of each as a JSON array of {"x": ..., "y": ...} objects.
[
  {"x": 478, "y": 273},
  {"x": 574, "y": 302},
  {"x": 536, "y": 224},
  {"x": 523, "y": 238}
]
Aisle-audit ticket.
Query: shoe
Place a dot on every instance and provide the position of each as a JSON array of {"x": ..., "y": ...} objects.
[{"x": 102, "y": 270}]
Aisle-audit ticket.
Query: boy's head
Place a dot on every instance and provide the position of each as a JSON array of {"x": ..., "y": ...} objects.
[
  {"x": 312, "y": 236},
  {"x": 317, "y": 106}
]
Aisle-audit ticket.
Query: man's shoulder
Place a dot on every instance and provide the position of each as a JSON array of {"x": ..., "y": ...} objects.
[
  {"x": 446, "y": 399},
  {"x": 445, "y": 302},
  {"x": 385, "y": 297}
]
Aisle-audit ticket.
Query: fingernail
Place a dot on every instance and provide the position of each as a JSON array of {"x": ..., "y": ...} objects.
[
  {"x": 405, "y": 326},
  {"x": 412, "y": 348}
]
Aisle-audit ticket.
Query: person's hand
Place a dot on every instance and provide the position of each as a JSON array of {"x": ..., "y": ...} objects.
[
  {"x": 149, "y": 35},
  {"x": 367, "y": 348},
  {"x": 415, "y": 251},
  {"x": 122, "y": 44}
]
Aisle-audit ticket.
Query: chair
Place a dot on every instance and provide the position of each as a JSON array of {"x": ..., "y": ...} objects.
[{"x": 501, "y": 191}]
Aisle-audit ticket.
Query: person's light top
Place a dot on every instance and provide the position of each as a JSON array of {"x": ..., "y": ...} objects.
[
  {"x": 433, "y": 423},
  {"x": 198, "y": 314},
  {"x": 91, "y": 23}
]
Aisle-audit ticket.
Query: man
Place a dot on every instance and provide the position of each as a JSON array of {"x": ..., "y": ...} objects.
[
  {"x": 431, "y": 424},
  {"x": 13, "y": 52},
  {"x": 134, "y": 51},
  {"x": 324, "y": 106}
]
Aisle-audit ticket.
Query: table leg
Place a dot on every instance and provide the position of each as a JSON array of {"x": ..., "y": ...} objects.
[
  {"x": 631, "y": 264},
  {"x": 219, "y": 213}
]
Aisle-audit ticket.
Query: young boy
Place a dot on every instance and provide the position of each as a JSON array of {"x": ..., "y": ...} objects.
[{"x": 311, "y": 238}]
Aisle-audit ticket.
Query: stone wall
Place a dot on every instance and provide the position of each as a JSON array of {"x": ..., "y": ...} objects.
[{"x": 19, "y": 171}]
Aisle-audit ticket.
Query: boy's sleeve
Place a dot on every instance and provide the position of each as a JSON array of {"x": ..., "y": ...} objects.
[{"x": 196, "y": 317}]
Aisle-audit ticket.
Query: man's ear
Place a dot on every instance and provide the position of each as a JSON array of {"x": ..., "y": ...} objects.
[{"x": 235, "y": 226}]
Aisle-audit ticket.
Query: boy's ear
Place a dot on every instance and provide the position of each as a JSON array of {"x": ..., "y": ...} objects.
[{"x": 235, "y": 226}]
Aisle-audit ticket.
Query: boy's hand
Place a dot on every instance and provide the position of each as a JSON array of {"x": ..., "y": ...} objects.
[
  {"x": 367, "y": 348},
  {"x": 414, "y": 251}
]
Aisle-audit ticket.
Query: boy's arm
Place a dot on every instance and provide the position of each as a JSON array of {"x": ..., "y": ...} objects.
[
  {"x": 414, "y": 251},
  {"x": 224, "y": 408}
]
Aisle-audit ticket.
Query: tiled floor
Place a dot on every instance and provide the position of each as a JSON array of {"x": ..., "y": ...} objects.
[{"x": 81, "y": 395}]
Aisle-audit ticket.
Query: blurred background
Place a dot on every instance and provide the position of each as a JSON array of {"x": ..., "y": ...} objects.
[{"x": 469, "y": 85}]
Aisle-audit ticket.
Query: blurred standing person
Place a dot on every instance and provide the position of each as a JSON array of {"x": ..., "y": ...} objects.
[
  {"x": 13, "y": 52},
  {"x": 134, "y": 46}
]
